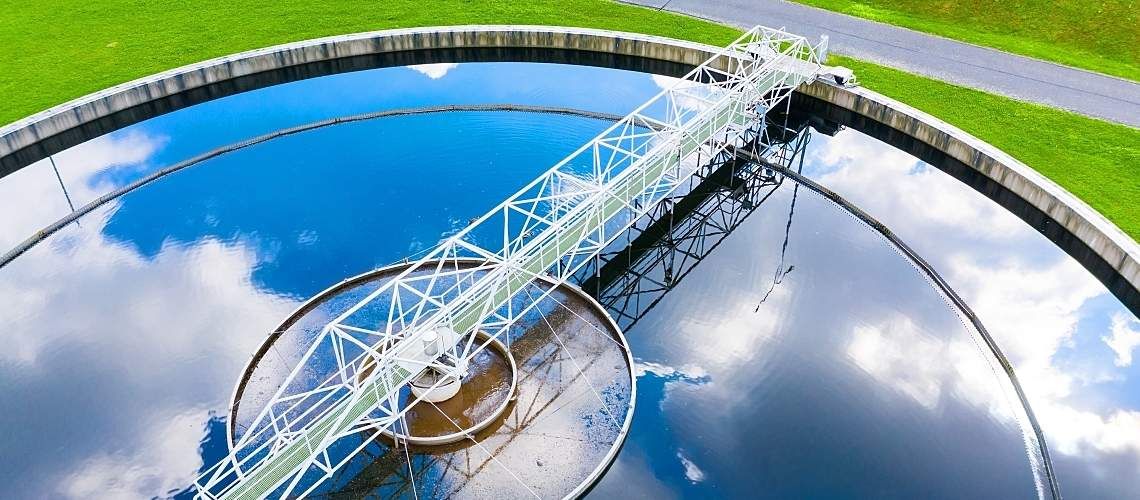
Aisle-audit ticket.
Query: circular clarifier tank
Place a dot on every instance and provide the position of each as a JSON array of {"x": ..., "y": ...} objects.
[
  {"x": 782, "y": 347},
  {"x": 542, "y": 409}
]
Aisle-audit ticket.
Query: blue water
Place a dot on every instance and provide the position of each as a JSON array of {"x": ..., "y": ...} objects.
[
  {"x": 384, "y": 196},
  {"x": 126, "y": 331},
  {"x": 759, "y": 392}
]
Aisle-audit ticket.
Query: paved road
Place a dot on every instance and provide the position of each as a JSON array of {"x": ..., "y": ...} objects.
[{"x": 999, "y": 72}]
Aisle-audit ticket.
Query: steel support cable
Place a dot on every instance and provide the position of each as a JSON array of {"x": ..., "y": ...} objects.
[
  {"x": 485, "y": 450},
  {"x": 408, "y": 456},
  {"x": 594, "y": 327},
  {"x": 605, "y": 408}
]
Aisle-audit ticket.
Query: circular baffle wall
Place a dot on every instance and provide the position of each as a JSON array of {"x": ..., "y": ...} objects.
[{"x": 554, "y": 435}]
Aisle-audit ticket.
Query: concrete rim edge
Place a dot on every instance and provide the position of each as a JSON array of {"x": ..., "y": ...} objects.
[{"x": 1104, "y": 237}]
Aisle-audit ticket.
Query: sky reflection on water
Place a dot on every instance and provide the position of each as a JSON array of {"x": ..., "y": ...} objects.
[
  {"x": 853, "y": 365},
  {"x": 1070, "y": 341},
  {"x": 127, "y": 330}
]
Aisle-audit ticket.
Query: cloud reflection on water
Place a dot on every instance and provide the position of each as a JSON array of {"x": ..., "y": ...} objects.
[
  {"x": 142, "y": 349},
  {"x": 789, "y": 412},
  {"x": 33, "y": 194},
  {"x": 434, "y": 71},
  {"x": 1124, "y": 339},
  {"x": 1033, "y": 298}
]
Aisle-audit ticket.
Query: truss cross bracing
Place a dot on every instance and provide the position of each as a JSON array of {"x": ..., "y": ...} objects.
[{"x": 348, "y": 381}]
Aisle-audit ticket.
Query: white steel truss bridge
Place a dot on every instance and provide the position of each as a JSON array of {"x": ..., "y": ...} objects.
[{"x": 347, "y": 383}]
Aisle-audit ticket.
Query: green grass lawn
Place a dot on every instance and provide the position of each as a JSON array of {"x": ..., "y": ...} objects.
[
  {"x": 56, "y": 50},
  {"x": 1099, "y": 35}
]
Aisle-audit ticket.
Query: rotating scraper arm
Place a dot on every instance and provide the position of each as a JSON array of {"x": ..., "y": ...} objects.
[{"x": 554, "y": 226}]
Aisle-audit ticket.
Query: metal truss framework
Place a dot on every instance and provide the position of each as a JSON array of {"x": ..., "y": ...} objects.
[
  {"x": 657, "y": 253},
  {"x": 669, "y": 243},
  {"x": 419, "y": 468},
  {"x": 348, "y": 382}
]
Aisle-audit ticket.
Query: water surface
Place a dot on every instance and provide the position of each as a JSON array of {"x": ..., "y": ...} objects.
[{"x": 829, "y": 367}]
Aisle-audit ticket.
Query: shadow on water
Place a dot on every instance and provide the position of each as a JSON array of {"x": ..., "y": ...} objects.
[{"x": 672, "y": 240}]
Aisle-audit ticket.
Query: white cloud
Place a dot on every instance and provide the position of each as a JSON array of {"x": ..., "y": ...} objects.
[
  {"x": 665, "y": 82},
  {"x": 898, "y": 353},
  {"x": 34, "y": 194},
  {"x": 642, "y": 368},
  {"x": 895, "y": 183},
  {"x": 308, "y": 237},
  {"x": 162, "y": 339},
  {"x": 1123, "y": 340},
  {"x": 151, "y": 470},
  {"x": 1029, "y": 299},
  {"x": 687, "y": 375},
  {"x": 1080, "y": 432},
  {"x": 693, "y": 473},
  {"x": 434, "y": 71},
  {"x": 127, "y": 149},
  {"x": 1032, "y": 311}
]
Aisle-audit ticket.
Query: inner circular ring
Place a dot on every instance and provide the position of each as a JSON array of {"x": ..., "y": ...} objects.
[
  {"x": 463, "y": 433},
  {"x": 589, "y": 472}
]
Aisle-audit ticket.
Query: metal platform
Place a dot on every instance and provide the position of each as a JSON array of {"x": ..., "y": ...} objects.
[{"x": 551, "y": 229}]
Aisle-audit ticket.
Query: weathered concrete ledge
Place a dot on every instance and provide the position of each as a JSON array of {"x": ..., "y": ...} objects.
[
  {"x": 1103, "y": 239},
  {"x": 40, "y": 126}
]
